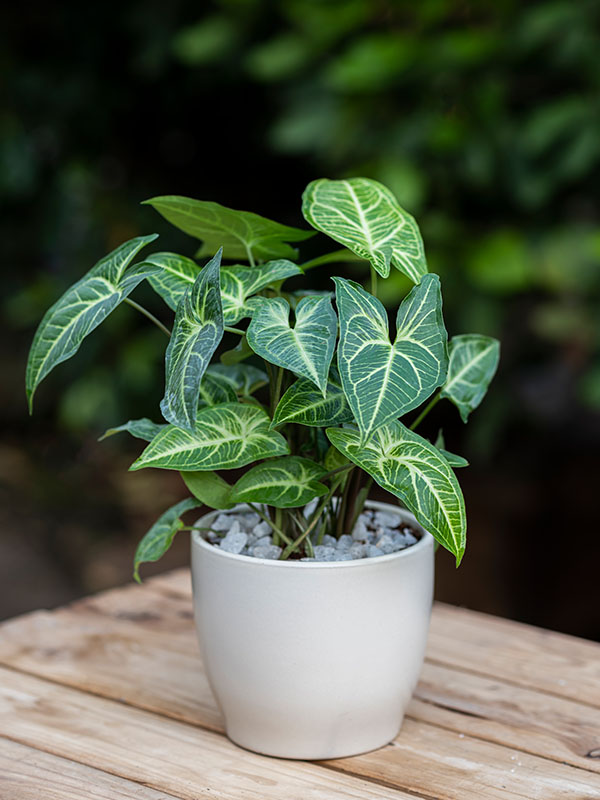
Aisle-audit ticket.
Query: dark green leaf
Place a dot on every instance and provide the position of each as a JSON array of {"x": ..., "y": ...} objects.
[
  {"x": 209, "y": 488},
  {"x": 281, "y": 482},
  {"x": 473, "y": 364},
  {"x": 305, "y": 405},
  {"x": 140, "y": 428},
  {"x": 244, "y": 379},
  {"x": 160, "y": 536}
]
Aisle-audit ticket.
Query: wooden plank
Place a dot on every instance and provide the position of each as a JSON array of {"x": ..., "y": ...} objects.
[
  {"x": 166, "y": 755},
  {"x": 139, "y": 646},
  {"x": 28, "y": 774}
]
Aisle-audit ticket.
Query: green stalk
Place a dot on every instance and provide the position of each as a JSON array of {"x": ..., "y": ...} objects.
[
  {"x": 251, "y": 260},
  {"x": 335, "y": 257},
  {"x": 309, "y": 528},
  {"x": 147, "y": 314},
  {"x": 432, "y": 403},
  {"x": 234, "y": 330},
  {"x": 270, "y": 522},
  {"x": 373, "y": 282}
]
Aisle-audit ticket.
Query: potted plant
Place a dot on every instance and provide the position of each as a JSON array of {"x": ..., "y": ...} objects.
[{"x": 312, "y": 603}]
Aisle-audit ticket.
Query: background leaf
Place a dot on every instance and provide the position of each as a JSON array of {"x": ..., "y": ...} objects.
[
  {"x": 214, "y": 391},
  {"x": 139, "y": 428},
  {"x": 307, "y": 348},
  {"x": 244, "y": 379},
  {"x": 225, "y": 437},
  {"x": 364, "y": 215},
  {"x": 409, "y": 467},
  {"x": 473, "y": 364},
  {"x": 382, "y": 380},
  {"x": 235, "y": 231},
  {"x": 174, "y": 275},
  {"x": 160, "y": 536},
  {"x": 197, "y": 331},
  {"x": 305, "y": 405},
  {"x": 238, "y": 283},
  {"x": 281, "y": 482}
]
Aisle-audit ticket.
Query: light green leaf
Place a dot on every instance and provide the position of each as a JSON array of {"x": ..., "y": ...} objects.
[
  {"x": 307, "y": 348},
  {"x": 244, "y": 379},
  {"x": 282, "y": 482},
  {"x": 225, "y": 437},
  {"x": 364, "y": 215},
  {"x": 214, "y": 391},
  {"x": 382, "y": 380},
  {"x": 209, "y": 488},
  {"x": 81, "y": 309},
  {"x": 197, "y": 331},
  {"x": 473, "y": 364},
  {"x": 454, "y": 460},
  {"x": 160, "y": 536},
  {"x": 236, "y": 231},
  {"x": 140, "y": 428},
  {"x": 409, "y": 467},
  {"x": 305, "y": 405},
  {"x": 174, "y": 275}
]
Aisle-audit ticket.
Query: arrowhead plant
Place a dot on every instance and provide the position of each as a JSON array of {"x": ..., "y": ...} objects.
[{"x": 291, "y": 401}]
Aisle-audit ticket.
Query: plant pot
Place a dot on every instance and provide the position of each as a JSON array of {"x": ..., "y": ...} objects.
[{"x": 313, "y": 660}]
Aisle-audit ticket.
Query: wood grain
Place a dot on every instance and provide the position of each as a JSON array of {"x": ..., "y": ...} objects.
[{"x": 28, "y": 774}]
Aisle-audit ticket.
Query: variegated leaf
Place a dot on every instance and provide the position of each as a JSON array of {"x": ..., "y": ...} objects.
[
  {"x": 174, "y": 275},
  {"x": 305, "y": 405},
  {"x": 143, "y": 429},
  {"x": 411, "y": 468},
  {"x": 160, "y": 536},
  {"x": 306, "y": 348},
  {"x": 197, "y": 331},
  {"x": 383, "y": 380},
  {"x": 454, "y": 460},
  {"x": 238, "y": 232},
  {"x": 244, "y": 379},
  {"x": 473, "y": 364},
  {"x": 82, "y": 308},
  {"x": 364, "y": 215},
  {"x": 281, "y": 482},
  {"x": 214, "y": 391},
  {"x": 225, "y": 437}
]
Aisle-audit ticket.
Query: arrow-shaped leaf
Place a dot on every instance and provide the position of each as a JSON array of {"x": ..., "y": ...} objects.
[
  {"x": 197, "y": 331},
  {"x": 454, "y": 460},
  {"x": 365, "y": 216},
  {"x": 225, "y": 437},
  {"x": 244, "y": 379},
  {"x": 160, "y": 536},
  {"x": 238, "y": 232},
  {"x": 214, "y": 391},
  {"x": 306, "y": 348},
  {"x": 411, "y": 468},
  {"x": 81, "y": 309},
  {"x": 473, "y": 364},
  {"x": 174, "y": 275},
  {"x": 143, "y": 429},
  {"x": 382, "y": 380},
  {"x": 305, "y": 405},
  {"x": 281, "y": 482}
]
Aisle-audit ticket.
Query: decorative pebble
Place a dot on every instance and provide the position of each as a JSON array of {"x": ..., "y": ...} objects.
[
  {"x": 223, "y": 522},
  {"x": 235, "y": 540},
  {"x": 345, "y": 542},
  {"x": 262, "y": 529},
  {"x": 373, "y": 551},
  {"x": 270, "y": 551},
  {"x": 360, "y": 532},
  {"x": 387, "y": 519},
  {"x": 324, "y": 552},
  {"x": 358, "y": 550},
  {"x": 264, "y": 541}
]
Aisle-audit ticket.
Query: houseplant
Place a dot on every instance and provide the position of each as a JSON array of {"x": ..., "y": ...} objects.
[{"x": 314, "y": 636}]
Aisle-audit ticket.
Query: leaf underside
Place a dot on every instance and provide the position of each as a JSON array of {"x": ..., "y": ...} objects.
[{"x": 160, "y": 536}]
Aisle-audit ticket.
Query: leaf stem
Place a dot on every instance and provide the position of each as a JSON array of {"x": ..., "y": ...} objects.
[
  {"x": 433, "y": 402},
  {"x": 335, "y": 471},
  {"x": 277, "y": 393},
  {"x": 251, "y": 260},
  {"x": 147, "y": 314},
  {"x": 270, "y": 522},
  {"x": 329, "y": 258},
  {"x": 309, "y": 528},
  {"x": 234, "y": 330},
  {"x": 373, "y": 282}
]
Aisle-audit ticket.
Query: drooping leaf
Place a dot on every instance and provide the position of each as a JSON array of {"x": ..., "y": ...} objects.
[
  {"x": 244, "y": 379},
  {"x": 175, "y": 274},
  {"x": 140, "y": 428},
  {"x": 473, "y": 364},
  {"x": 305, "y": 405},
  {"x": 160, "y": 536},
  {"x": 382, "y": 380},
  {"x": 364, "y": 215},
  {"x": 281, "y": 482},
  {"x": 411, "y": 468},
  {"x": 235, "y": 231},
  {"x": 306, "y": 348},
  {"x": 82, "y": 308},
  {"x": 236, "y": 355},
  {"x": 225, "y": 437},
  {"x": 197, "y": 331},
  {"x": 454, "y": 460},
  {"x": 209, "y": 488},
  {"x": 214, "y": 391}
]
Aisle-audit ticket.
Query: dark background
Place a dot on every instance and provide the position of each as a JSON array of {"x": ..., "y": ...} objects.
[{"x": 482, "y": 117}]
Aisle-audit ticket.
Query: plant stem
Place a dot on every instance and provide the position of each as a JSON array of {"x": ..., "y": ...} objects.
[
  {"x": 277, "y": 392},
  {"x": 335, "y": 471},
  {"x": 373, "y": 282},
  {"x": 329, "y": 258},
  {"x": 234, "y": 330},
  {"x": 251, "y": 260},
  {"x": 270, "y": 522},
  {"x": 309, "y": 528},
  {"x": 147, "y": 314},
  {"x": 433, "y": 402}
]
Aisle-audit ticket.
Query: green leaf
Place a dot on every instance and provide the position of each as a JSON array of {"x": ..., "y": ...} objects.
[
  {"x": 140, "y": 428},
  {"x": 305, "y": 405},
  {"x": 225, "y": 437},
  {"x": 307, "y": 348},
  {"x": 174, "y": 275},
  {"x": 473, "y": 363},
  {"x": 81, "y": 309},
  {"x": 244, "y": 379},
  {"x": 197, "y": 331},
  {"x": 239, "y": 353},
  {"x": 364, "y": 215},
  {"x": 214, "y": 391},
  {"x": 236, "y": 231},
  {"x": 382, "y": 380},
  {"x": 209, "y": 488},
  {"x": 282, "y": 482},
  {"x": 454, "y": 460},
  {"x": 409, "y": 467},
  {"x": 160, "y": 536}
]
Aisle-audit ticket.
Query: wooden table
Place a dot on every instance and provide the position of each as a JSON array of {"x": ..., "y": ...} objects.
[{"x": 106, "y": 698}]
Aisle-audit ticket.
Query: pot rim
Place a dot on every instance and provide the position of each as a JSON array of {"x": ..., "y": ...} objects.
[{"x": 426, "y": 541}]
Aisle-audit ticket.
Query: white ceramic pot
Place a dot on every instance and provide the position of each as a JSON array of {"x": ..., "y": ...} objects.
[{"x": 313, "y": 660}]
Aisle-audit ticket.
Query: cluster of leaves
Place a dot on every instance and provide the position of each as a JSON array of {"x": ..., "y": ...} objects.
[{"x": 328, "y": 421}]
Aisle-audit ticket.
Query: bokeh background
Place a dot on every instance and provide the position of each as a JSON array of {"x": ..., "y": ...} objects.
[{"x": 482, "y": 117}]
